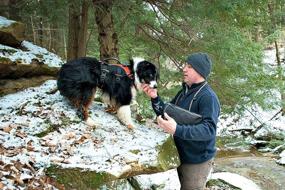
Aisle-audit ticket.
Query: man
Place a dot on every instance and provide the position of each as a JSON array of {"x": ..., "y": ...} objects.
[{"x": 195, "y": 143}]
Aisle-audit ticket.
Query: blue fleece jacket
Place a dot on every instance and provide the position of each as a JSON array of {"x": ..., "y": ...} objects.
[{"x": 195, "y": 143}]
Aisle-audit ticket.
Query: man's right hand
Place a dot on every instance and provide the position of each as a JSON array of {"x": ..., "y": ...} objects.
[{"x": 151, "y": 92}]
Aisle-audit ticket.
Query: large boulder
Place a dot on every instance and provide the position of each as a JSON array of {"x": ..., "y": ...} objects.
[
  {"x": 34, "y": 61},
  {"x": 39, "y": 126},
  {"x": 11, "y": 32},
  {"x": 9, "y": 86},
  {"x": 20, "y": 69}
]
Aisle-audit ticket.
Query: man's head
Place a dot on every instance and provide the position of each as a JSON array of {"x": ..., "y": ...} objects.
[{"x": 197, "y": 69}]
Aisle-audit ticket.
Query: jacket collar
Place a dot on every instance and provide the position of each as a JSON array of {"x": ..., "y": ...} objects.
[{"x": 193, "y": 88}]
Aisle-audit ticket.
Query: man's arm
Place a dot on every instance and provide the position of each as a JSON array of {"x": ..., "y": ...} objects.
[
  {"x": 156, "y": 102},
  {"x": 157, "y": 105}
]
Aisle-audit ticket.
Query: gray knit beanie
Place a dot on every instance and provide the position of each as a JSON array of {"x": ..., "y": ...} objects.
[{"x": 201, "y": 62}]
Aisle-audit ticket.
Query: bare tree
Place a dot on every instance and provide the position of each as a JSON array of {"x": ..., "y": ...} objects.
[{"x": 271, "y": 8}]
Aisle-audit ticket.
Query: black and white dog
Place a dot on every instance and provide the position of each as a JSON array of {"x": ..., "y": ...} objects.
[{"x": 78, "y": 80}]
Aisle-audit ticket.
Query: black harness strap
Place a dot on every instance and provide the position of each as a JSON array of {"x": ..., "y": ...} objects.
[
  {"x": 119, "y": 70},
  {"x": 104, "y": 71}
]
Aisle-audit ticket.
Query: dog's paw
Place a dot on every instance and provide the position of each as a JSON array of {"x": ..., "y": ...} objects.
[
  {"x": 111, "y": 110},
  {"x": 90, "y": 122},
  {"x": 130, "y": 126}
]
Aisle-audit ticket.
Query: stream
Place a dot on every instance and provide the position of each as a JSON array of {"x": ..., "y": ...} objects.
[{"x": 260, "y": 168}]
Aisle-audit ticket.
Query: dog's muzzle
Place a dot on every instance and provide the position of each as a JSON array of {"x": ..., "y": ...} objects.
[{"x": 153, "y": 84}]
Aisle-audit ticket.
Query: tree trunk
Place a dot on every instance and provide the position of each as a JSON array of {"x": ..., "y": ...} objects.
[
  {"x": 33, "y": 30},
  {"x": 40, "y": 32},
  {"x": 271, "y": 9},
  {"x": 283, "y": 91},
  {"x": 277, "y": 54},
  {"x": 82, "y": 42},
  {"x": 107, "y": 37},
  {"x": 73, "y": 31},
  {"x": 77, "y": 34},
  {"x": 55, "y": 38},
  {"x": 10, "y": 9},
  {"x": 4, "y": 8},
  {"x": 14, "y": 10},
  {"x": 64, "y": 44}
]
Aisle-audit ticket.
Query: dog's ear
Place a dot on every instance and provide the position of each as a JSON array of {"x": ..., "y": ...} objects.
[
  {"x": 157, "y": 74},
  {"x": 131, "y": 64}
]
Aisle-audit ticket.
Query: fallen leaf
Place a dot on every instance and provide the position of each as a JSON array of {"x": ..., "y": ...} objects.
[{"x": 7, "y": 129}]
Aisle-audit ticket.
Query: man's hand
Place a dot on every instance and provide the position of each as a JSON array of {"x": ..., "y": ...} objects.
[
  {"x": 151, "y": 92},
  {"x": 168, "y": 124}
]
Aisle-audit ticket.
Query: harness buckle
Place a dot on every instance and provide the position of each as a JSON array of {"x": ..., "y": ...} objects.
[
  {"x": 118, "y": 78},
  {"x": 103, "y": 74}
]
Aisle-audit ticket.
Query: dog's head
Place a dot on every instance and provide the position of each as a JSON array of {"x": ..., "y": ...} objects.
[{"x": 145, "y": 72}]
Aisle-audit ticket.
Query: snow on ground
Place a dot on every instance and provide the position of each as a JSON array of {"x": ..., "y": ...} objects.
[
  {"x": 164, "y": 180},
  {"x": 33, "y": 52},
  {"x": 85, "y": 146},
  {"x": 110, "y": 148},
  {"x": 270, "y": 56},
  {"x": 282, "y": 158},
  {"x": 29, "y": 111},
  {"x": 236, "y": 180},
  {"x": 250, "y": 119},
  {"x": 5, "y": 22},
  {"x": 231, "y": 125}
]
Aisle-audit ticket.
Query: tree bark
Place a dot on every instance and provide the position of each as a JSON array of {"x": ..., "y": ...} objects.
[
  {"x": 41, "y": 33},
  {"x": 82, "y": 41},
  {"x": 4, "y": 8},
  {"x": 33, "y": 30},
  {"x": 73, "y": 31},
  {"x": 107, "y": 37},
  {"x": 77, "y": 33},
  {"x": 14, "y": 10}
]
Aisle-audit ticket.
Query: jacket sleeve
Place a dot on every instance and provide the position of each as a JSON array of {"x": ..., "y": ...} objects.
[
  {"x": 209, "y": 108},
  {"x": 158, "y": 105}
]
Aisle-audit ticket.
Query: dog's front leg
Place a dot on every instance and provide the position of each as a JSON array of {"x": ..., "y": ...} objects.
[{"x": 124, "y": 115}]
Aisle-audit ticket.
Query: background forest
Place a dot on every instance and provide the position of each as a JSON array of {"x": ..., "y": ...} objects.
[
  {"x": 45, "y": 145},
  {"x": 234, "y": 33}
]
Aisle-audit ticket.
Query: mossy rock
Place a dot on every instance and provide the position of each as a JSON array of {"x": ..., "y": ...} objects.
[
  {"x": 85, "y": 179},
  {"x": 4, "y": 60},
  {"x": 274, "y": 143},
  {"x": 220, "y": 184},
  {"x": 166, "y": 157},
  {"x": 224, "y": 142},
  {"x": 14, "y": 71},
  {"x": 123, "y": 184},
  {"x": 13, "y": 34},
  {"x": 8, "y": 86},
  {"x": 76, "y": 178}
]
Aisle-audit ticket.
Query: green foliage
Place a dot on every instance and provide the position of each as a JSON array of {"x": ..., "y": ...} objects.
[
  {"x": 144, "y": 106},
  {"x": 275, "y": 36},
  {"x": 275, "y": 143},
  {"x": 161, "y": 30}
]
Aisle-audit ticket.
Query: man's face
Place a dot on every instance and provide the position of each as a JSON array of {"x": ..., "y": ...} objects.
[{"x": 190, "y": 75}]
